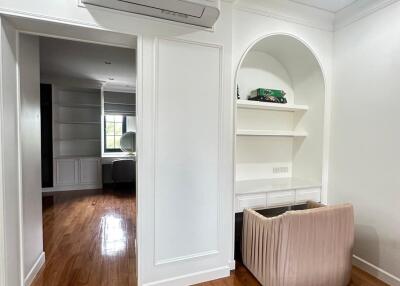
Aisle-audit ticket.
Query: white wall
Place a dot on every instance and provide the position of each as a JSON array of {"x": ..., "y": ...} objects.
[
  {"x": 9, "y": 182},
  {"x": 365, "y": 140},
  {"x": 30, "y": 151}
]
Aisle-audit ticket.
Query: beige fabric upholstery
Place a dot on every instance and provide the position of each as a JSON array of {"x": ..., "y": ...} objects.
[{"x": 311, "y": 247}]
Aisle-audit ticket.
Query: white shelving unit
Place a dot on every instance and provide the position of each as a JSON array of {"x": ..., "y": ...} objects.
[
  {"x": 270, "y": 106},
  {"x": 279, "y": 146},
  {"x": 76, "y": 138},
  {"x": 277, "y": 133}
]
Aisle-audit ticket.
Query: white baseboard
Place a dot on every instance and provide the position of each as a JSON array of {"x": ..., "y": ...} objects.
[
  {"x": 34, "y": 270},
  {"x": 193, "y": 278},
  {"x": 232, "y": 264},
  {"x": 72, "y": 188},
  {"x": 376, "y": 271}
]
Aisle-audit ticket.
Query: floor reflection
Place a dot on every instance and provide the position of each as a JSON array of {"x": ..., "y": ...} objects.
[{"x": 114, "y": 236}]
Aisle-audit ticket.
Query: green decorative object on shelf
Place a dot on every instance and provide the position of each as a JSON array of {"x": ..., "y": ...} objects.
[{"x": 269, "y": 95}]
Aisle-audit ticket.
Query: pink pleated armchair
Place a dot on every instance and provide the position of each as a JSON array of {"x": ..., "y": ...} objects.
[{"x": 311, "y": 247}]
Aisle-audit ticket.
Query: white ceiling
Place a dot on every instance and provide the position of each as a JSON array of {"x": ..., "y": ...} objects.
[
  {"x": 86, "y": 61},
  {"x": 333, "y": 6}
]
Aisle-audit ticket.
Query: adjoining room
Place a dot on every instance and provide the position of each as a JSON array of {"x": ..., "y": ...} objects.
[{"x": 88, "y": 154}]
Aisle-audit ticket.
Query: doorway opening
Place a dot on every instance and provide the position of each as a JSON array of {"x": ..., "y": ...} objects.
[{"x": 86, "y": 142}]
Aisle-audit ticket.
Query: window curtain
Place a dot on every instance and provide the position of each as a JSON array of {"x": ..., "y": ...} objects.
[{"x": 121, "y": 103}]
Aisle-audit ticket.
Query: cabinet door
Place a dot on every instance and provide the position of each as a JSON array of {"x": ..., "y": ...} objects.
[
  {"x": 89, "y": 171},
  {"x": 66, "y": 172}
]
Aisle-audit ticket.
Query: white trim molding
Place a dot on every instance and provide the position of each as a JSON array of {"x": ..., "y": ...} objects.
[
  {"x": 232, "y": 264},
  {"x": 376, "y": 271},
  {"x": 323, "y": 25},
  {"x": 35, "y": 269},
  {"x": 3, "y": 261},
  {"x": 72, "y": 188},
  {"x": 193, "y": 278},
  {"x": 186, "y": 257},
  {"x": 359, "y": 10}
]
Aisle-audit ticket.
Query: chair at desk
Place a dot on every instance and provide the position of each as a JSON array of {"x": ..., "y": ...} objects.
[{"x": 123, "y": 171}]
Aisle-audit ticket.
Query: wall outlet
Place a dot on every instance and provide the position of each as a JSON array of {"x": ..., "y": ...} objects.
[{"x": 280, "y": 170}]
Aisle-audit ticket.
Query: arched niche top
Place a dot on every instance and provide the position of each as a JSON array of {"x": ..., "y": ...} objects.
[{"x": 285, "y": 62}]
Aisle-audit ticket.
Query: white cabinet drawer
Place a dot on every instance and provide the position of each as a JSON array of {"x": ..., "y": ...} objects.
[
  {"x": 258, "y": 201},
  {"x": 312, "y": 194},
  {"x": 282, "y": 198}
]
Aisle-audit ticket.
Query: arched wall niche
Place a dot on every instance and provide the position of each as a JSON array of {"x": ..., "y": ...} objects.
[{"x": 284, "y": 143}]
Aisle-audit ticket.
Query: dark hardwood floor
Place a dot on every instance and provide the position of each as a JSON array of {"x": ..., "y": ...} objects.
[{"x": 89, "y": 241}]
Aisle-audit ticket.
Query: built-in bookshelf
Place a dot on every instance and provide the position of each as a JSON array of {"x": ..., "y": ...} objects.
[
  {"x": 279, "y": 147},
  {"x": 76, "y": 122}
]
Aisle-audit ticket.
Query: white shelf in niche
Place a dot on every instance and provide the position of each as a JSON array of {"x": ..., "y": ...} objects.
[
  {"x": 277, "y": 133},
  {"x": 249, "y": 104},
  {"x": 272, "y": 185}
]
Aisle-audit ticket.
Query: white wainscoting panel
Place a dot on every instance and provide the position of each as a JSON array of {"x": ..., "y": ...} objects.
[{"x": 188, "y": 96}]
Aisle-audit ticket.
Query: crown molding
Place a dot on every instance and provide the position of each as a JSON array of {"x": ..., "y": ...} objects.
[
  {"x": 326, "y": 24},
  {"x": 359, "y": 10}
]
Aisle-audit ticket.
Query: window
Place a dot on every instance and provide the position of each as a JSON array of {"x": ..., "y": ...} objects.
[{"x": 114, "y": 127}]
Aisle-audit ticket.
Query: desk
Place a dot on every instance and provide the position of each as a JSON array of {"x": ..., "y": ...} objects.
[
  {"x": 106, "y": 161},
  {"x": 272, "y": 193}
]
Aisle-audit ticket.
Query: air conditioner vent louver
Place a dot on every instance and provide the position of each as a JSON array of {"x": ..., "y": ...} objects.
[
  {"x": 196, "y": 12},
  {"x": 174, "y": 14}
]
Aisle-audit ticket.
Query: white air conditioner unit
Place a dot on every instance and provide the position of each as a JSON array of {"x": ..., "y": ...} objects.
[{"x": 196, "y": 12}]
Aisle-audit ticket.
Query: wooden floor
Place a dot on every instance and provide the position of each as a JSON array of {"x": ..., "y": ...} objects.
[
  {"x": 89, "y": 241},
  {"x": 242, "y": 277}
]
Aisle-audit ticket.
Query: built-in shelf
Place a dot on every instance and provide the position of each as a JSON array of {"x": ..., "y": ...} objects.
[
  {"x": 78, "y": 122},
  {"x": 272, "y": 185},
  {"x": 81, "y": 105},
  {"x": 77, "y": 139},
  {"x": 277, "y": 133},
  {"x": 119, "y": 103},
  {"x": 77, "y": 156},
  {"x": 249, "y": 104}
]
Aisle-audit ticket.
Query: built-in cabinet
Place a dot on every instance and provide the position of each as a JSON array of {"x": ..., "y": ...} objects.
[
  {"x": 77, "y": 173},
  {"x": 279, "y": 146},
  {"x": 76, "y": 138}
]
